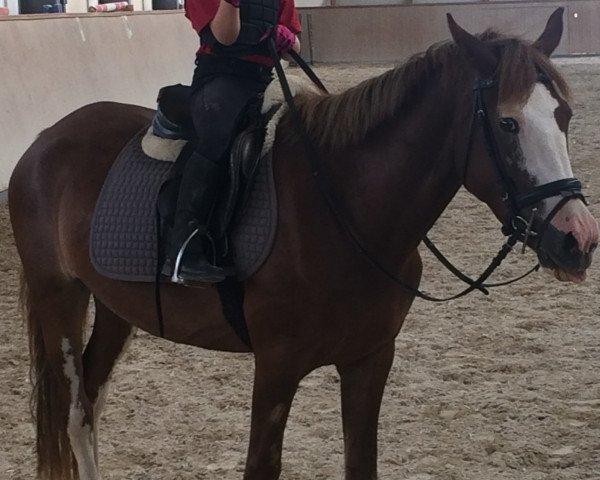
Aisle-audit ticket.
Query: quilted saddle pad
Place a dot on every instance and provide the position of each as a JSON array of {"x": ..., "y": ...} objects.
[{"x": 123, "y": 243}]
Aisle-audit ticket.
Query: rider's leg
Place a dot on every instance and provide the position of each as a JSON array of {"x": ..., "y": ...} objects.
[
  {"x": 200, "y": 183},
  {"x": 216, "y": 109}
]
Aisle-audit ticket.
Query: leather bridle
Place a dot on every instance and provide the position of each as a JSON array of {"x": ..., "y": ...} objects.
[
  {"x": 517, "y": 223},
  {"x": 516, "y": 227}
]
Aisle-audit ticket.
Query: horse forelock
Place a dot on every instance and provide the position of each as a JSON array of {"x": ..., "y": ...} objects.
[
  {"x": 337, "y": 121},
  {"x": 520, "y": 65}
]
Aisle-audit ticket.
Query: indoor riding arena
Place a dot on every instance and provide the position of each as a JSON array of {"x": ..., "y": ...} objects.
[{"x": 496, "y": 387}]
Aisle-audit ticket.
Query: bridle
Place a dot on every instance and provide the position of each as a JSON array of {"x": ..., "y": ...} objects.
[
  {"x": 517, "y": 224},
  {"x": 516, "y": 228}
]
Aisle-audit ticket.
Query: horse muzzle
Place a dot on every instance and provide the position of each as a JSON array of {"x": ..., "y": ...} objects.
[
  {"x": 568, "y": 242},
  {"x": 560, "y": 252}
]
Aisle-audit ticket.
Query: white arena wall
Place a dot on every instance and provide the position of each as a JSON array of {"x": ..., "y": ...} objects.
[{"x": 53, "y": 64}]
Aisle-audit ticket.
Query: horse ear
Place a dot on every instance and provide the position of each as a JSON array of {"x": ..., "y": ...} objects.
[
  {"x": 481, "y": 56},
  {"x": 550, "y": 37}
]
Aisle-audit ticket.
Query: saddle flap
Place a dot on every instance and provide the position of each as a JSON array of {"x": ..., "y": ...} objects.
[{"x": 244, "y": 159}]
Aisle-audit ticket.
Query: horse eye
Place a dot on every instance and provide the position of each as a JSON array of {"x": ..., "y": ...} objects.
[{"x": 509, "y": 125}]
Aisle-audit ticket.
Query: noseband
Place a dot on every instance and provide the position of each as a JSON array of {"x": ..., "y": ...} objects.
[{"x": 517, "y": 224}]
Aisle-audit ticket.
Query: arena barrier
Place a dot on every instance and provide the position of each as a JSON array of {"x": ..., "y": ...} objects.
[
  {"x": 51, "y": 65},
  {"x": 54, "y": 64},
  {"x": 392, "y": 33}
]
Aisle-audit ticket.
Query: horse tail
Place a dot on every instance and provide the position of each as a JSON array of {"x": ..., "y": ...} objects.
[{"x": 55, "y": 459}]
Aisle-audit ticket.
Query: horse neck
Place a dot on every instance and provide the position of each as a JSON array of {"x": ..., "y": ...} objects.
[{"x": 398, "y": 182}]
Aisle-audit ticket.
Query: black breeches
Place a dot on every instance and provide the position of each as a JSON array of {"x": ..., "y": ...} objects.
[{"x": 217, "y": 107}]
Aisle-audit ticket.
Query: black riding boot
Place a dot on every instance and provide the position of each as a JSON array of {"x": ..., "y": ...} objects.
[{"x": 186, "y": 260}]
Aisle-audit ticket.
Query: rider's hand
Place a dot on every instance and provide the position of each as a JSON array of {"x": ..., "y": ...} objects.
[{"x": 285, "y": 40}]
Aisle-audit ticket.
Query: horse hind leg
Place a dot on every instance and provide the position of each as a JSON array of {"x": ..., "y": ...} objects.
[
  {"x": 110, "y": 339},
  {"x": 55, "y": 310}
]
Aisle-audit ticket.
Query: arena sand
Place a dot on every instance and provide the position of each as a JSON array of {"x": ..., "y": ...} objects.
[{"x": 482, "y": 388}]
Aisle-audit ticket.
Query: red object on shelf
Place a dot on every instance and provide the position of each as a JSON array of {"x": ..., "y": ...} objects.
[{"x": 3, "y": 11}]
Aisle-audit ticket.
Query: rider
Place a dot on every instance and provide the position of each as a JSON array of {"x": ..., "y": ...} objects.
[{"x": 233, "y": 67}]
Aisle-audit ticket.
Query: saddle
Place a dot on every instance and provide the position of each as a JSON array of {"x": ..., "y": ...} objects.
[
  {"x": 137, "y": 198},
  {"x": 124, "y": 234},
  {"x": 173, "y": 122},
  {"x": 136, "y": 205}
]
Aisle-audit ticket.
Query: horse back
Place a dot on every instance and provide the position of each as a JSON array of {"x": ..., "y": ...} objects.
[
  {"x": 90, "y": 136},
  {"x": 55, "y": 185}
]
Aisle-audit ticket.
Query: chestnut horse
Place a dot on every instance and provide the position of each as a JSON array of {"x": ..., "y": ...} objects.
[{"x": 395, "y": 150}]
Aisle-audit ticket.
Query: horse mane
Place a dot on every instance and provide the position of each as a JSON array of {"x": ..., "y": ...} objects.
[{"x": 336, "y": 121}]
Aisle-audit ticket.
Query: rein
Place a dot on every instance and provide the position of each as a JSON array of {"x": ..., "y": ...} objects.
[{"x": 517, "y": 228}]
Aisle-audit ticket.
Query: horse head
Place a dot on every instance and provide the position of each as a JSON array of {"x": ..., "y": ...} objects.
[{"x": 517, "y": 158}]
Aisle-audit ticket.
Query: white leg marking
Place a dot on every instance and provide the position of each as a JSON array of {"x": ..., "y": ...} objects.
[
  {"x": 98, "y": 408},
  {"x": 80, "y": 434}
]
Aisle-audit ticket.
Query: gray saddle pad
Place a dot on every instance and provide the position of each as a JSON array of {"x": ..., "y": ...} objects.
[{"x": 123, "y": 244}]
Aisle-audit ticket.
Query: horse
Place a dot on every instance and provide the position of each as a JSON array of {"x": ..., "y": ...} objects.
[{"x": 394, "y": 149}]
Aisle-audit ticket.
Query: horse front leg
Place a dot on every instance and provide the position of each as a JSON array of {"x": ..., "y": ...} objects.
[
  {"x": 276, "y": 380},
  {"x": 362, "y": 384}
]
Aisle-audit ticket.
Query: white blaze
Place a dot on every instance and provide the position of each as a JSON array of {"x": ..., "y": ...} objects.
[
  {"x": 546, "y": 160},
  {"x": 544, "y": 145}
]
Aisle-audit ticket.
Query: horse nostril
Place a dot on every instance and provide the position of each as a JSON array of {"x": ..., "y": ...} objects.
[
  {"x": 570, "y": 244},
  {"x": 593, "y": 247}
]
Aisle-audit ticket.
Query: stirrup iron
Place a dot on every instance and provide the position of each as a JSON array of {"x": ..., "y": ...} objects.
[{"x": 175, "y": 278}]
